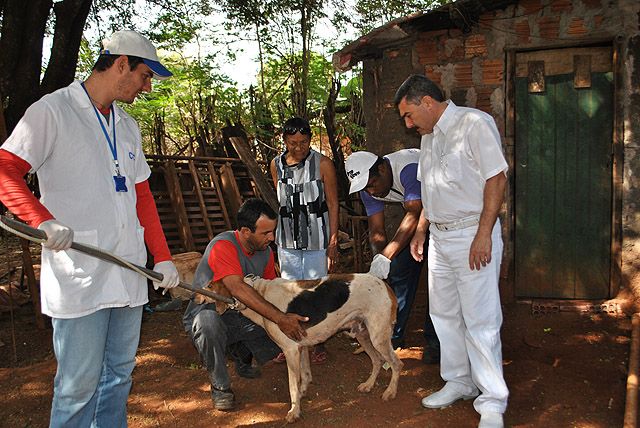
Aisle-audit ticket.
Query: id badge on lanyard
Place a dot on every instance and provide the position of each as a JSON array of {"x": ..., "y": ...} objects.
[{"x": 119, "y": 180}]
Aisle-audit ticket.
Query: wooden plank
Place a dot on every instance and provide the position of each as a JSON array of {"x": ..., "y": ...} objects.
[
  {"x": 564, "y": 232},
  {"x": 536, "y": 76},
  {"x": 560, "y": 61},
  {"x": 617, "y": 166},
  {"x": 216, "y": 184},
  {"x": 507, "y": 286},
  {"x": 595, "y": 132},
  {"x": 177, "y": 201},
  {"x": 198, "y": 190},
  {"x": 265, "y": 189},
  {"x": 230, "y": 189},
  {"x": 582, "y": 71}
]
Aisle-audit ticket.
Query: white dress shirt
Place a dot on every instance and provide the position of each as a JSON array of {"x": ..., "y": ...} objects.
[{"x": 456, "y": 160}]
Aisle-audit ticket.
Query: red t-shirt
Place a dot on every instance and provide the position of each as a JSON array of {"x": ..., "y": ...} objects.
[{"x": 224, "y": 256}]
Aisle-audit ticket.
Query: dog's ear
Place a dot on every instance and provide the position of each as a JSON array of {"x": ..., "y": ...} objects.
[{"x": 218, "y": 288}]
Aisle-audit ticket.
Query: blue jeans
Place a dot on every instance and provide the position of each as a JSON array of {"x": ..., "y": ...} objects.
[
  {"x": 212, "y": 334},
  {"x": 302, "y": 264},
  {"x": 404, "y": 277},
  {"x": 96, "y": 355}
]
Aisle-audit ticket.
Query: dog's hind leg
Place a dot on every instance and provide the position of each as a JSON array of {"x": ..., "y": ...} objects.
[
  {"x": 305, "y": 371},
  {"x": 380, "y": 335},
  {"x": 292, "y": 353},
  {"x": 376, "y": 360}
]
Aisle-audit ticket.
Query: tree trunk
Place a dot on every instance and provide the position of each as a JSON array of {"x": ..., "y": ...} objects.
[
  {"x": 329, "y": 115},
  {"x": 21, "y": 46},
  {"x": 23, "y": 30},
  {"x": 304, "y": 24},
  {"x": 71, "y": 16},
  {"x": 3, "y": 126},
  {"x": 158, "y": 133}
]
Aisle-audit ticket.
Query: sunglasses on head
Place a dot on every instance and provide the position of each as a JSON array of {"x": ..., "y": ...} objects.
[{"x": 292, "y": 130}]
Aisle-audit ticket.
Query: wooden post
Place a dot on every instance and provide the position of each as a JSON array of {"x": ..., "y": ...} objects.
[
  {"x": 257, "y": 174},
  {"x": 507, "y": 271},
  {"x": 177, "y": 201},
  {"x": 34, "y": 290},
  {"x": 230, "y": 190},
  {"x": 631, "y": 401},
  {"x": 617, "y": 168},
  {"x": 216, "y": 185},
  {"x": 198, "y": 190}
]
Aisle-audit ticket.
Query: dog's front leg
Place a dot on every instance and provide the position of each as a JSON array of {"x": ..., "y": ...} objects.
[{"x": 292, "y": 353}]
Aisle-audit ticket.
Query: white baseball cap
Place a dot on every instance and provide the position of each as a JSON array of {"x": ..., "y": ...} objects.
[
  {"x": 358, "y": 166},
  {"x": 129, "y": 42}
]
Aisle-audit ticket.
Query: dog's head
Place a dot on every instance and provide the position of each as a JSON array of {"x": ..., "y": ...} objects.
[{"x": 218, "y": 288}]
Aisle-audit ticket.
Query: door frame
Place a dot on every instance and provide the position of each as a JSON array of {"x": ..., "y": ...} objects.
[{"x": 508, "y": 284}]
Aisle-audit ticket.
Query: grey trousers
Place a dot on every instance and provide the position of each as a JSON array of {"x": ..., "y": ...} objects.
[{"x": 213, "y": 335}]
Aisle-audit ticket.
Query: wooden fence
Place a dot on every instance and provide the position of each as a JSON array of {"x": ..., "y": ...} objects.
[{"x": 197, "y": 197}]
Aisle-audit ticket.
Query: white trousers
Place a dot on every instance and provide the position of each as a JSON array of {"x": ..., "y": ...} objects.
[{"x": 466, "y": 312}]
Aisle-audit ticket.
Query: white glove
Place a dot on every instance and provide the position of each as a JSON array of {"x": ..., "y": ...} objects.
[
  {"x": 380, "y": 266},
  {"x": 59, "y": 236},
  {"x": 170, "y": 277}
]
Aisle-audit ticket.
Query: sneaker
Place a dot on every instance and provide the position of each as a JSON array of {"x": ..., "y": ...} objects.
[
  {"x": 242, "y": 358},
  {"x": 447, "y": 396},
  {"x": 223, "y": 399},
  {"x": 491, "y": 420},
  {"x": 247, "y": 370}
]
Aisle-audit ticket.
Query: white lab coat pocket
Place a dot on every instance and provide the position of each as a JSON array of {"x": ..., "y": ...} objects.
[{"x": 71, "y": 263}]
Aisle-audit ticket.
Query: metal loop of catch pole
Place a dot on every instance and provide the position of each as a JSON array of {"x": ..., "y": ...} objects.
[{"x": 39, "y": 237}]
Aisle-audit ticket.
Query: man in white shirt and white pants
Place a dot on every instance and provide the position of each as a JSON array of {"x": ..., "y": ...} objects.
[{"x": 462, "y": 171}]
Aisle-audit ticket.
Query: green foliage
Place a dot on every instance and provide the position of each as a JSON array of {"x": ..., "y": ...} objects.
[
  {"x": 195, "y": 104},
  {"x": 187, "y": 112},
  {"x": 86, "y": 59},
  {"x": 370, "y": 14},
  {"x": 279, "y": 74},
  {"x": 351, "y": 123}
]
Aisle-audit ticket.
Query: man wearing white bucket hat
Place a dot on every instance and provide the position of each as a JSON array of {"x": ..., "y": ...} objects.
[{"x": 92, "y": 175}]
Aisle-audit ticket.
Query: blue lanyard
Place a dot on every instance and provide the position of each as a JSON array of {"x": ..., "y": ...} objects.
[{"x": 114, "y": 151}]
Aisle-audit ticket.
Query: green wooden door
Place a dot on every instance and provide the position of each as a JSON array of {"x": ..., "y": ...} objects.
[{"x": 563, "y": 188}]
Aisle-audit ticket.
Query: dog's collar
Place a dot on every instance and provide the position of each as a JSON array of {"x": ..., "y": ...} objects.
[
  {"x": 237, "y": 305},
  {"x": 250, "y": 277}
]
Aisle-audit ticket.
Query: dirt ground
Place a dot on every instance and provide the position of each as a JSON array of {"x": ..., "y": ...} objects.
[{"x": 563, "y": 369}]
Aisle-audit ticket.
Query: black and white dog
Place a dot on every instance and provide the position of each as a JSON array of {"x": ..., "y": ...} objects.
[{"x": 360, "y": 303}]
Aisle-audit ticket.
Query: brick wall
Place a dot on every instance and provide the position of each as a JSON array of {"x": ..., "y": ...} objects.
[
  {"x": 470, "y": 68},
  {"x": 381, "y": 78}
]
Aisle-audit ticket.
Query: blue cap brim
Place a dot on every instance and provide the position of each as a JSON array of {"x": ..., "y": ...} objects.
[{"x": 160, "y": 72}]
